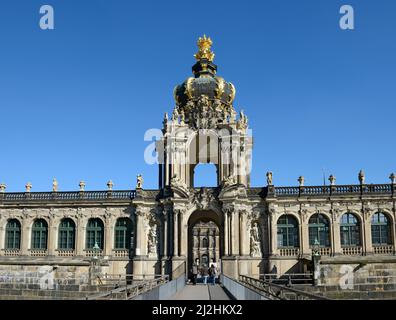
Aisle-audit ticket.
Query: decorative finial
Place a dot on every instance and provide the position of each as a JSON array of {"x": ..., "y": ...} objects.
[
  {"x": 110, "y": 185},
  {"x": 269, "y": 178},
  {"x": 82, "y": 185},
  {"x": 204, "y": 46},
  {"x": 54, "y": 185},
  {"x": 392, "y": 177},
  {"x": 301, "y": 180},
  {"x": 2, "y": 187},
  {"x": 332, "y": 180},
  {"x": 362, "y": 177},
  {"x": 139, "y": 182},
  {"x": 28, "y": 187}
]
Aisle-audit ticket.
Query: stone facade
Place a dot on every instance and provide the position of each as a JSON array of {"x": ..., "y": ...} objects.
[{"x": 252, "y": 231}]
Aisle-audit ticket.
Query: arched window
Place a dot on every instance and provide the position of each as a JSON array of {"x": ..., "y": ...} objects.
[
  {"x": 13, "y": 235},
  {"x": 39, "y": 234},
  {"x": 319, "y": 230},
  {"x": 123, "y": 234},
  {"x": 288, "y": 232},
  {"x": 95, "y": 233},
  {"x": 380, "y": 229},
  {"x": 205, "y": 243},
  {"x": 67, "y": 230},
  {"x": 350, "y": 230}
]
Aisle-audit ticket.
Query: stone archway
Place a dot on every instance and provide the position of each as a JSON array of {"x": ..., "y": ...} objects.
[{"x": 205, "y": 239}]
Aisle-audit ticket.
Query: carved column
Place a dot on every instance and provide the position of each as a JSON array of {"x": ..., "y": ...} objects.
[
  {"x": 80, "y": 236},
  {"x": 273, "y": 230},
  {"x": 175, "y": 234},
  {"x": 165, "y": 233},
  {"x": 366, "y": 233},
  {"x": 26, "y": 235},
  {"x": 226, "y": 234},
  {"x": 336, "y": 238},
  {"x": 304, "y": 235},
  {"x": 52, "y": 236},
  {"x": 2, "y": 236},
  {"x": 140, "y": 232},
  {"x": 183, "y": 234},
  {"x": 244, "y": 237},
  {"x": 236, "y": 232},
  {"x": 109, "y": 237}
]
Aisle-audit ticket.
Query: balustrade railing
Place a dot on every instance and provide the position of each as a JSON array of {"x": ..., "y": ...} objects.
[
  {"x": 383, "y": 249},
  {"x": 120, "y": 253},
  {"x": 352, "y": 251},
  {"x": 38, "y": 252},
  {"x": 335, "y": 190},
  {"x": 68, "y": 196},
  {"x": 289, "y": 252},
  {"x": 93, "y": 253},
  {"x": 11, "y": 252},
  {"x": 66, "y": 252}
]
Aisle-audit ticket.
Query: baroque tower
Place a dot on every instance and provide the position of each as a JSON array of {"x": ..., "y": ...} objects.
[{"x": 204, "y": 128}]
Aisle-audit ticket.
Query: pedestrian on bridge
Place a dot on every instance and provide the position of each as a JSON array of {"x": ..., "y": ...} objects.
[
  {"x": 194, "y": 272},
  {"x": 213, "y": 273}
]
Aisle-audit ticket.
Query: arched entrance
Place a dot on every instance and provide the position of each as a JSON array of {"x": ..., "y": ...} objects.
[{"x": 204, "y": 240}]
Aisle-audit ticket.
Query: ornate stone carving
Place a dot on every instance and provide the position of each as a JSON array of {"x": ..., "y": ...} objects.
[
  {"x": 177, "y": 183},
  {"x": 54, "y": 185},
  {"x": 229, "y": 181},
  {"x": 82, "y": 185},
  {"x": 28, "y": 187},
  {"x": 255, "y": 240},
  {"x": 269, "y": 178},
  {"x": 152, "y": 242},
  {"x": 332, "y": 180},
  {"x": 139, "y": 182},
  {"x": 203, "y": 199},
  {"x": 110, "y": 185},
  {"x": 301, "y": 181}
]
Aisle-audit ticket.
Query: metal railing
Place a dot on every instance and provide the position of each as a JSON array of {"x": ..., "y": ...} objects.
[
  {"x": 288, "y": 279},
  {"x": 128, "y": 287},
  {"x": 275, "y": 291}
]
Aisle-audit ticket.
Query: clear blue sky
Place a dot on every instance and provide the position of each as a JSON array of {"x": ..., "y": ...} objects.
[{"x": 76, "y": 101}]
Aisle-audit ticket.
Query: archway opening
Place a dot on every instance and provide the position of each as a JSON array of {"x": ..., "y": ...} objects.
[
  {"x": 205, "y": 175},
  {"x": 204, "y": 241}
]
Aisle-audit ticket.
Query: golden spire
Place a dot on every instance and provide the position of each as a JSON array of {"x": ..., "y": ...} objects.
[{"x": 204, "y": 46}]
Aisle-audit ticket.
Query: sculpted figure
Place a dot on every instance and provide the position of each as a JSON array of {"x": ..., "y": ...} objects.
[
  {"x": 139, "y": 182},
  {"x": 255, "y": 241},
  {"x": 269, "y": 178}
]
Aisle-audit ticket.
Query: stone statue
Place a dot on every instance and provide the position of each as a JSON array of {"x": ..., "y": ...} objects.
[
  {"x": 229, "y": 181},
  {"x": 82, "y": 185},
  {"x": 3, "y": 187},
  {"x": 392, "y": 177},
  {"x": 152, "y": 240},
  {"x": 301, "y": 180},
  {"x": 255, "y": 241},
  {"x": 28, "y": 187},
  {"x": 54, "y": 185},
  {"x": 139, "y": 182},
  {"x": 332, "y": 180},
  {"x": 110, "y": 185},
  {"x": 269, "y": 178}
]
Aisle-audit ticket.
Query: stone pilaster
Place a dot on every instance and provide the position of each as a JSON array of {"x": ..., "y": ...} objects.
[
  {"x": 175, "y": 234},
  {"x": 109, "y": 237},
  {"x": 52, "y": 239},
  {"x": 26, "y": 236},
  {"x": 236, "y": 232},
  {"x": 226, "y": 234},
  {"x": 336, "y": 236}
]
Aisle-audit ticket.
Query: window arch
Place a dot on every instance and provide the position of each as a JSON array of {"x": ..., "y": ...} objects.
[
  {"x": 319, "y": 230},
  {"x": 13, "y": 234},
  {"x": 205, "y": 242},
  {"x": 39, "y": 234},
  {"x": 123, "y": 233},
  {"x": 67, "y": 231},
  {"x": 350, "y": 230},
  {"x": 380, "y": 229},
  {"x": 95, "y": 233},
  {"x": 205, "y": 260},
  {"x": 288, "y": 232}
]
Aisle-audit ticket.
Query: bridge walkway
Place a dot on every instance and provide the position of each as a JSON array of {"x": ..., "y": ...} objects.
[{"x": 201, "y": 292}]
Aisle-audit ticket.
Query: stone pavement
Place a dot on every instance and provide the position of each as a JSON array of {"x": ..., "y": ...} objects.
[{"x": 201, "y": 292}]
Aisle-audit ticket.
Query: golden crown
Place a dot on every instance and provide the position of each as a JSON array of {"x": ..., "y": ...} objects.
[{"x": 204, "y": 46}]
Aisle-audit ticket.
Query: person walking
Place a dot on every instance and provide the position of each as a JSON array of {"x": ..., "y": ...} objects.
[
  {"x": 194, "y": 271},
  {"x": 213, "y": 274}
]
